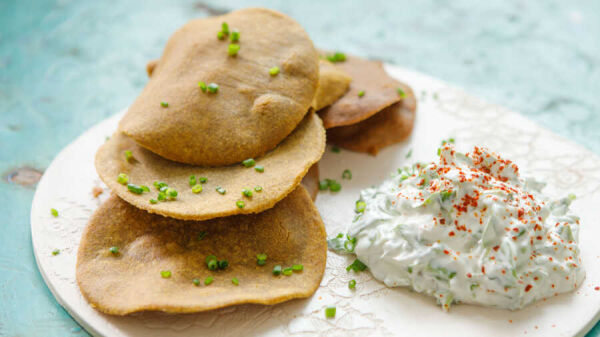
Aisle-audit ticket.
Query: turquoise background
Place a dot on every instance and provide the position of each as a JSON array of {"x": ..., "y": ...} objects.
[{"x": 66, "y": 65}]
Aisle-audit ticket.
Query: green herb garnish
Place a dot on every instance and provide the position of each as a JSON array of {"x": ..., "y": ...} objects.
[
  {"x": 356, "y": 266},
  {"x": 135, "y": 189},
  {"x": 54, "y": 212},
  {"x": 274, "y": 71},
  {"x": 401, "y": 92},
  {"x": 128, "y": 156},
  {"x": 122, "y": 178},
  {"x": 240, "y": 203},
  {"x": 235, "y": 281},
  {"x": 196, "y": 282},
  {"x": 259, "y": 168},
  {"x": 287, "y": 271},
  {"x": 233, "y": 49},
  {"x": 221, "y": 190},
  {"x": 360, "y": 206},
  {"x": 192, "y": 180},
  {"x": 361, "y": 93},
  {"x": 56, "y": 252},
  {"x": 258, "y": 188},
  {"x": 202, "y": 86},
  {"x": 352, "y": 284},
  {"x": 164, "y": 104},
  {"x": 330, "y": 312},
  {"x": 337, "y": 57},
  {"x": 249, "y": 162},
  {"x": 208, "y": 280},
  {"x": 347, "y": 174},
  {"x": 114, "y": 250},
  {"x": 261, "y": 259},
  {"x": 298, "y": 267},
  {"x": 235, "y": 36},
  {"x": 197, "y": 188},
  {"x": 247, "y": 193},
  {"x": 165, "y": 273},
  {"x": 277, "y": 270}
]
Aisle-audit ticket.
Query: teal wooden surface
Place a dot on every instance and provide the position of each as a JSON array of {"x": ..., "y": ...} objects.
[{"x": 65, "y": 65}]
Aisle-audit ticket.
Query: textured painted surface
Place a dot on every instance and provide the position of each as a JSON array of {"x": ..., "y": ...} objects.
[{"x": 65, "y": 65}]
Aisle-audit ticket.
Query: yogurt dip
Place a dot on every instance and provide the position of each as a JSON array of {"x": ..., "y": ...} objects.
[{"x": 468, "y": 229}]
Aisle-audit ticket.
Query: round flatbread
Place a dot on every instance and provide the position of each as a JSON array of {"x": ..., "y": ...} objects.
[
  {"x": 130, "y": 281},
  {"x": 284, "y": 167},
  {"x": 380, "y": 91},
  {"x": 333, "y": 84},
  {"x": 311, "y": 181},
  {"x": 392, "y": 125},
  {"x": 251, "y": 112}
]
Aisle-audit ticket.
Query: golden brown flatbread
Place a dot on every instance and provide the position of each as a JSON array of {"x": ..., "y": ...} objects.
[
  {"x": 380, "y": 91},
  {"x": 311, "y": 181},
  {"x": 392, "y": 125},
  {"x": 130, "y": 281},
  {"x": 333, "y": 84},
  {"x": 252, "y": 111},
  {"x": 284, "y": 167}
]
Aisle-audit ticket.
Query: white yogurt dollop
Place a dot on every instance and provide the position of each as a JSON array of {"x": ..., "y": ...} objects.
[{"x": 469, "y": 229}]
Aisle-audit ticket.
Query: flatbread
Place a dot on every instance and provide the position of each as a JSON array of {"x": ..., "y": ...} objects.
[
  {"x": 284, "y": 167},
  {"x": 311, "y": 181},
  {"x": 333, "y": 84},
  {"x": 392, "y": 125},
  {"x": 252, "y": 111},
  {"x": 380, "y": 89},
  {"x": 290, "y": 233}
]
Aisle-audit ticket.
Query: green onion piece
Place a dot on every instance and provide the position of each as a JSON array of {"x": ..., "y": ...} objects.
[
  {"x": 54, "y": 212},
  {"x": 259, "y": 168},
  {"x": 114, "y": 250},
  {"x": 347, "y": 174},
  {"x": 212, "y": 265},
  {"x": 221, "y": 190},
  {"x": 572, "y": 196},
  {"x": 202, "y": 85},
  {"x": 330, "y": 312},
  {"x": 164, "y": 189},
  {"x": 220, "y": 35},
  {"x": 192, "y": 180},
  {"x": 334, "y": 186},
  {"x": 145, "y": 188},
  {"x": 235, "y": 281},
  {"x": 225, "y": 28},
  {"x": 233, "y": 49},
  {"x": 208, "y": 280},
  {"x": 202, "y": 180},
  {"x": 323, "y": 185},
  {"x": 196, "y": 282},
  {"x": 159, "y": 184},
  {"x": 247, "y": 193},
  {"x": 274, "y": 71},
  {"x": 360, "y": 206},
  {"x": 335, "y": 149},
  {"x": 223, "y": 264},
  {"x": 213, "y": 88},
  {"x": 401, "y": 92},
  {"x": 164, "y": 104},
  {"x": 258, "y": 188},
  {"x": 128, "y": 155},
  {"x": 122, "y": 178},
  {"x": 287, "y": 271},
  {"x": 352, "y": 284},
  {"x": 277, "y": 270},
  {"x": 409, "y": 269},
  {"x": 56, "y": 252},
  {"x": 202, "y": 235},
  {"x": 197, "y": 188},
  {"x": 235, "y": 36},
  {"x": 171, "y": 192},
  {"x": 356, "y": 266},
  {"x": 261, "y": 259},
  {"x": 135, "y": 189},
  {"x": 409, "y": 154},
  {"x": 361, "y": 93},
  {"x": 210, "y": 258},
  {"x": 162, "y": 196},
  {"x": 240, "y": 203},
  {"x": 298, "y": 267},
  {"x": 249, "y": 162},
  {"x": 337, "y": 57},
  {"x": 165, "y": 273},
  {"x": 153, "y": 201}
]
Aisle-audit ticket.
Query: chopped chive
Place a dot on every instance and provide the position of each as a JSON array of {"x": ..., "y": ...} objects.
[
  {"x": 54, "y": 212},
  {"x": 196, "y": 282},
  {"x": 352, "y": 284},
  {"x": 159, "y": 184},
  {"x": 298, "y": 267},
  {"x": 172, "y": 193},
  {"x": 274, "y": 71},
  {"x": 128, "y": 155},
  {"x": 409, "y": 154},
  {"x": 212, "y": 265},
  {"x": 122, "y": 178},
  {"x": 240, "y": 203},
  {"x": 225, "y": 28},
  {"x": 334, "y": 186},
  {"x": 202, "y": 235},
  {"x": 135, "y": 189},
  {"x": 572, "y": 196},
  {"x": 210, "y": 258},
  {"x": 153, "y": 201},
  {"x": 114, "y": 250},
  {"x": 162, "y": 196},
  {"x": 221, "y": 190},
  {"x": 164, "y": 104},
  {"x": 202, "y": 86},
  {"x": 165, "y": 273},
  {"x": 259, "y": 168},
  {"x": 287, "y": 271},
  {"x": 347, "y": 174},
  {"x": 360, "y": 206},
  {"x": 337, "y": 57},
  {"x": 401, "y": 92},
  {"x": 235, "y": 36},
  {"x": 192, "y": 180},
  {"x": 233, "y": 49},
  {"x": 261, "y": 259},
  {"x": 56, "y": 252},
  {"x": 356, "y": 266},
  {"x": 197, "y": 189},
  {"x": 164, "y": 189},
  {"x": 335, "y": 149},
  {"x": 202, "y": 180},
  {"x": 220, "y": 35},
  {"x": 235, "y": 281},
  {"x": 258, "y": 188},
  {"x": 223, "y": 264},
  {"x": 277, "y": 270},
  {"x": 361, "y": 93},
  {"x": 213, "y": 88},
  {"x": 145, "y": 188},
  {"x": 247, "y": 193},
  {"x": 330, "y": 312},
  {"x": 249, "y": 162},
  {"x": 323, "y": 185},
  {"x": 208, "y": 280}
]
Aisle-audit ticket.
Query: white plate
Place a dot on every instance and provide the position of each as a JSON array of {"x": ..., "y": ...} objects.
[{"x": 372, "y": 309}]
